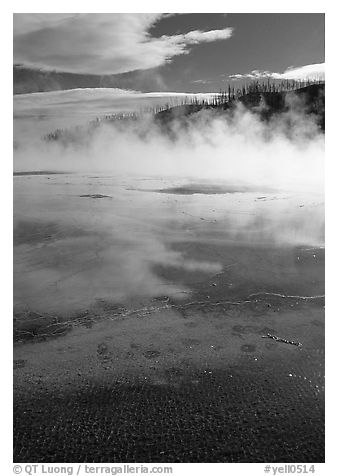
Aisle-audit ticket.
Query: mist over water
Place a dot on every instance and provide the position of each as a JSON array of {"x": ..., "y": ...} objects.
[
  {"x": 123, "y": 209},
  {"x": 285, "y": 153}
]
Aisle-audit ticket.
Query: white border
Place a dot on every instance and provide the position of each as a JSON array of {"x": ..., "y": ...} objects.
[{"x": 286, "y": 6}]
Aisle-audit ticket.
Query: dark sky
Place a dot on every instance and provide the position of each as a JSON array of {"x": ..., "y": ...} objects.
[{"x": 188, "y": 52}]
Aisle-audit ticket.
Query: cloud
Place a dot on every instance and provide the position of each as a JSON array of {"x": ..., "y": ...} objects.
[
  {"x": 100, "y": 43},
  {"x": 29, "y": 22},
  {"x": 308, "y": 72}
]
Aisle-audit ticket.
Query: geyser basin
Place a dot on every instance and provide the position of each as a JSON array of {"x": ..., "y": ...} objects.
[{"x": 154, "y": 306}]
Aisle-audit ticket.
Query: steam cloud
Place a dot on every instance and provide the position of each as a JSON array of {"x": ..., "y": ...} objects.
[
  {"x": 286, "y": 153},
  {"x": 109, "y": 249}
]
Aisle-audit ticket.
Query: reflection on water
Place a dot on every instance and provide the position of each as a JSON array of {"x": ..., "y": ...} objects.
[
  {"x": 72, "y": 249},
  {"x": 162, "y": 300}
]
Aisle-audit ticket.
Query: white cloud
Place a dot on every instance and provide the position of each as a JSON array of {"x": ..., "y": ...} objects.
[
  {"x": 308, "y": 72},
  {"x": 100, "y": 43},
  {"x": 204, "y": 36}
]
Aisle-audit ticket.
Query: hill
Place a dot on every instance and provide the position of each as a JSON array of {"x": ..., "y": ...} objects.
[
  {"x": 257, "y": 98},
  {"x": 265, "y": 100}
]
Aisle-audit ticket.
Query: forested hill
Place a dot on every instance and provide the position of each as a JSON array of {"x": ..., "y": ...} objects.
[{"x": 263, "y": 99}]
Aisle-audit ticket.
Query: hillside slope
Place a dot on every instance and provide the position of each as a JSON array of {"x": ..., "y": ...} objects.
[{"x": 310, "y": 99}]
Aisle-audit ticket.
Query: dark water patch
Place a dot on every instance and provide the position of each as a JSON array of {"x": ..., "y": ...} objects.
[
  {"x": 29, "y": 232},
  {"x": 248, "y": 268},
  {"x": 206, "y": 189},
  {"x": 310, "y": 256},
  {"x": 38, "y": 172},
  {"x": 135, "y": 346},
  {"x": 95, "y": 195}
]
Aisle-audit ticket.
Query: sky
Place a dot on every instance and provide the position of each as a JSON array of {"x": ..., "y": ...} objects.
[{"x": 184, "y": 52}]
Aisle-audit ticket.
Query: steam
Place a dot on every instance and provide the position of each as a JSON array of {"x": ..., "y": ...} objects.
[
  {"x": 285, "y": 153},
  {"x": 72, "y": 250}
]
